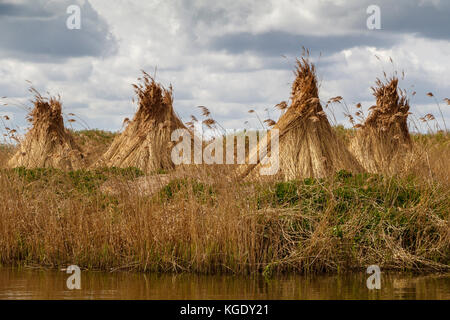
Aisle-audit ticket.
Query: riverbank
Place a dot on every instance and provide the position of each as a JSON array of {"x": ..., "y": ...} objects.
[
  {"x": 52, "y": 218},
  {"x": 202, "y": 221}
]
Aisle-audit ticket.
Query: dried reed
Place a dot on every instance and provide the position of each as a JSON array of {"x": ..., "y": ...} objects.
[
  {"x": 382, "y": 141},
  {"x": 47, "y": 143},
  {"x": 308, "y": 145},
  {"x": 146, "y": 141}
]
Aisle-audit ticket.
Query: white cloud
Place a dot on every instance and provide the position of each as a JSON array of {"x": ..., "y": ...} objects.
[{"x": 176, "y": 36}]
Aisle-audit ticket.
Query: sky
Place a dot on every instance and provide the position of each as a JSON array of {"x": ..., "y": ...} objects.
[{"x": 230, "y": 56}]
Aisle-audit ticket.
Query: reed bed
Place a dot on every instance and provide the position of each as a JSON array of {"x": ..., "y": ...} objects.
[
  {"x": 76, "y": 197},
  {"x": 344, "y": 222}
]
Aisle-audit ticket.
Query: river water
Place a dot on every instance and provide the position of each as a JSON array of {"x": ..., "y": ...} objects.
[{"x": 28, "y": 283}]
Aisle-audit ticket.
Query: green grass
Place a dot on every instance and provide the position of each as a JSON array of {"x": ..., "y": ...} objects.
[
  {"x": 345, "y": 190},
  {"x": 184, "y": 188}
]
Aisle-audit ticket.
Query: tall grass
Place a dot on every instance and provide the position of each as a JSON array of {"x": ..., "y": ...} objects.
[{"x": 54, "y": 218}]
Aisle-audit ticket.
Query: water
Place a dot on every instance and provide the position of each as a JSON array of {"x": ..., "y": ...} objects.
[{"x": 50, "y": 284}]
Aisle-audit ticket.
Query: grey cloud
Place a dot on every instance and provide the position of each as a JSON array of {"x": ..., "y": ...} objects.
[
  {"x": 37, "y": 31},
  {"x": 280, "y": 43},
  {"x": 20, "y": 10},
  {"x": 428, "y": 20},
  {"x": 425, "y": 18},
  {"x": 215, "y": 14}
]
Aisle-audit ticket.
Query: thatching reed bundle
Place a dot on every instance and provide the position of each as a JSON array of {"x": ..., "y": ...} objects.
[
  {"x": 383, "y": 139},
  {"x": 146, "y": 141},
  {"x": 308, "y": 145},
  {"x": 47, "y": 143}
]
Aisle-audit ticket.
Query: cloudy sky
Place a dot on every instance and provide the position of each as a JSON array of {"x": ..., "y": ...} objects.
[{"x": 231, "y": 56}]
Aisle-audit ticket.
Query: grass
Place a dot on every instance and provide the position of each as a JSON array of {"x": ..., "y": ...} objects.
[
  {"x": 54, "y": 218},
  {"x": 176, "y": 186},
  {"x": 6, "y": 151},
  {"x": 93, "y": 142},
  {"x": 83, "y": 181}
]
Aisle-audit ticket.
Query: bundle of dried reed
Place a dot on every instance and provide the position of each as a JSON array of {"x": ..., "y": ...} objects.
[
  {"x": 383, "y": 139},
  {"x": 146, "y": 141},
  {"x": 47, "y": 143},
  {"x": 308, "y": 145}
]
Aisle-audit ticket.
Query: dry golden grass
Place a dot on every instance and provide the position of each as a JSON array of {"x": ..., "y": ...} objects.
[
  {"x": 208, "y": 224},
  {"x": 6, "y": 152},
  {"x": 47, "y": 143}
]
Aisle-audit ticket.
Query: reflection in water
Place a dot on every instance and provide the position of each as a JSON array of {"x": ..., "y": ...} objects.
[{"x": 45, "y": 284}]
